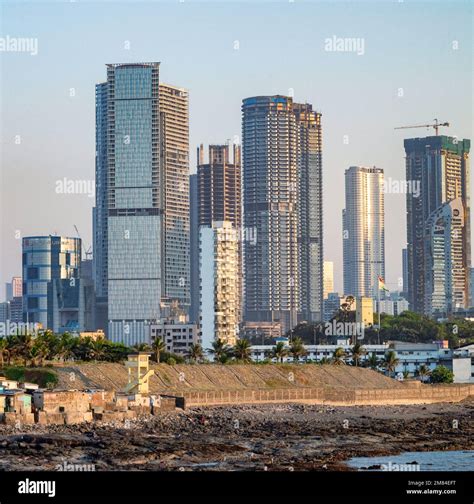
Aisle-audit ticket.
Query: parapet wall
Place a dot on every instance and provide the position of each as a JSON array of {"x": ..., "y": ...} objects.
[{"x": 406, "y": 395}]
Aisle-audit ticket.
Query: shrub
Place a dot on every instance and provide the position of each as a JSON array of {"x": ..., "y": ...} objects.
[{"x": 441, "y": 374}]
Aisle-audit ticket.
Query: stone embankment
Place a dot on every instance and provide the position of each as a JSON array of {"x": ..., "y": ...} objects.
[{"x": 211, "y": 384}]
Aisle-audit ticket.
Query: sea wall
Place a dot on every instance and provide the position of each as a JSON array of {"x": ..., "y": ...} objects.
[{"x": 409, "y": 394}]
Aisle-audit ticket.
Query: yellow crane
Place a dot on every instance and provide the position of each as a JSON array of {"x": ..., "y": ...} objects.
[{"x": 436, "y": 125}]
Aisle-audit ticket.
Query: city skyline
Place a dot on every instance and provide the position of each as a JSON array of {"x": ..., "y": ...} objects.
[{"x": 342, "y": 110}]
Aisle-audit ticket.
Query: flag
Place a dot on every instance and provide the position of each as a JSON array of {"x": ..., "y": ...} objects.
[{"x": 382, "y": 284}]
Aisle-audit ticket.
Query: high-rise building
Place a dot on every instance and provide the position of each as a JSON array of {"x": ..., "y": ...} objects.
[
  {"x": 219, "y": 183},
  {"x": 328, "y": 279},
  {"x": 445, "y": 275},
  {"x": 100, "y": 211},
  {"x": 194, "y": 246},
  {"x": 219, "y": 196},
  {"x": 134, "y": 215},
  {"x": 45, "y": 259},
  {"x": 438, "y": 167},
  {"x": 310, "y": 210},
  {"x": 14, "y": 288},
  {"x": 282, "y": 177},
  {"x": 219, "y": 283},
  {"x": 141, "y": 218},
  {"x": 174, "y": 183},
  {"x": 14, "y": 296},
  {"x": 363, "y": 231}
]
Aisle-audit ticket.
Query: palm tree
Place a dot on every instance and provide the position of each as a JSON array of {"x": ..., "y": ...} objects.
[
  {"x": 242, "y": 350},
  {"x": 220, "y": 350},
  {"x": 279, "y": 352},
  {"x": 423, "y": 372},
  {"x": 357, "y": 352},
  {"x": 195, "y": 353},
  {"x": 65, "y": 348},
  {"x": 372, "y": 361},
  {"x": 158, "y": 346},
  {"x": 38, "y": 351},
  {"x": 339, "y": 356},
  {"x": 23, "y": 346},
  {"x": 390, "y": 361},
  {"x": 297, "y": 349}
]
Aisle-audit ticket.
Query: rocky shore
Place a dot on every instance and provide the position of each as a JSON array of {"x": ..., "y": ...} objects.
[{"x": 288, "y": 437}]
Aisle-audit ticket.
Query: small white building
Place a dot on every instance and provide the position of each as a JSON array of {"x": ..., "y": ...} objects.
[{"x": 177, "y": 336}]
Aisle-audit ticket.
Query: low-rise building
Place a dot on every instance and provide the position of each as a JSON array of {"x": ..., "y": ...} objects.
[{"x": 177, "y": 336}]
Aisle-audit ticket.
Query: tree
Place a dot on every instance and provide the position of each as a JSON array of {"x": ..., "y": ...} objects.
[
  {"x": 158, "y": 346},
  {"x": 357, "y": 352},
  {"x": 372, "y": 361},
  {"x": 339, "y": 356},
  {"x": 279, "y": 352},
  {"x": 390, "y": 362},
  {"x": 441, "y": 374},
  {"x": 220, "y": 350},
  {"x": 423, "y": 372},
  {"x": 195, "y": 352},
  {"x": 297, "y": 349},
  {"x": 242, "y": 350}
]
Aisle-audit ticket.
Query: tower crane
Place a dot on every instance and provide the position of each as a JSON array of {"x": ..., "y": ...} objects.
[
  {"x": 436, "y": 125},
  {"x": 87, "y": 252}
]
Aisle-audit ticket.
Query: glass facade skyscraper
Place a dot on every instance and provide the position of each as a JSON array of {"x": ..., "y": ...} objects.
[
  {"x": 134, "y": 220},
  {"x": 363, "y": 231},
  {"x": 141, "y": 218},
  {"x": 46, "y": 259},
  {"x": 440, "y": 167}
]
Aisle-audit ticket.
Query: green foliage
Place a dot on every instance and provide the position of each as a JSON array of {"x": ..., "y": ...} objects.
[
  {"x": 41, "y": 377},
  {"x": 35, "y": 350},
  {"x": 171, "y": 358},
  {"x": 441, "y": 374}
]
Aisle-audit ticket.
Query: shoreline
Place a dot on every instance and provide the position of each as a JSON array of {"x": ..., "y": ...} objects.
[{"x": 273, "y": 437}]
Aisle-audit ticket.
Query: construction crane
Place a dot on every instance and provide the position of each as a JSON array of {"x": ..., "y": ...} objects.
[
  {"x": 434, "y": 125},
  {"x": 88, "y": 252}
]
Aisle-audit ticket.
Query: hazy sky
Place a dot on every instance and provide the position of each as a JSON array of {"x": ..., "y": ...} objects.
[{"x": 415, "y": 64}]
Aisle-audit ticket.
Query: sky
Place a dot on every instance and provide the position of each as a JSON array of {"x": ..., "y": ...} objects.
[{"x": 414, "y": 63}]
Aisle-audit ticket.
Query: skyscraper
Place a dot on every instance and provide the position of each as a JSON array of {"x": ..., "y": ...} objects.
[
  {"x": 174, "y": 183},
  {"x": 134, "y": 217},
  {"x": 194, "y": 246},
  {"x": 363, "y": 231},
  {"x": 439, "y": 167},
  {"x": 100, "y": 211},
  {"x": 141, "y": 218},
  {"x": 310, "y": 209},
  {"x": 282, "y": 179},
  {"x": 219, "y": 198},
  {"x": 445, "y": 278},
  {"x": 45, "y": 259}
]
